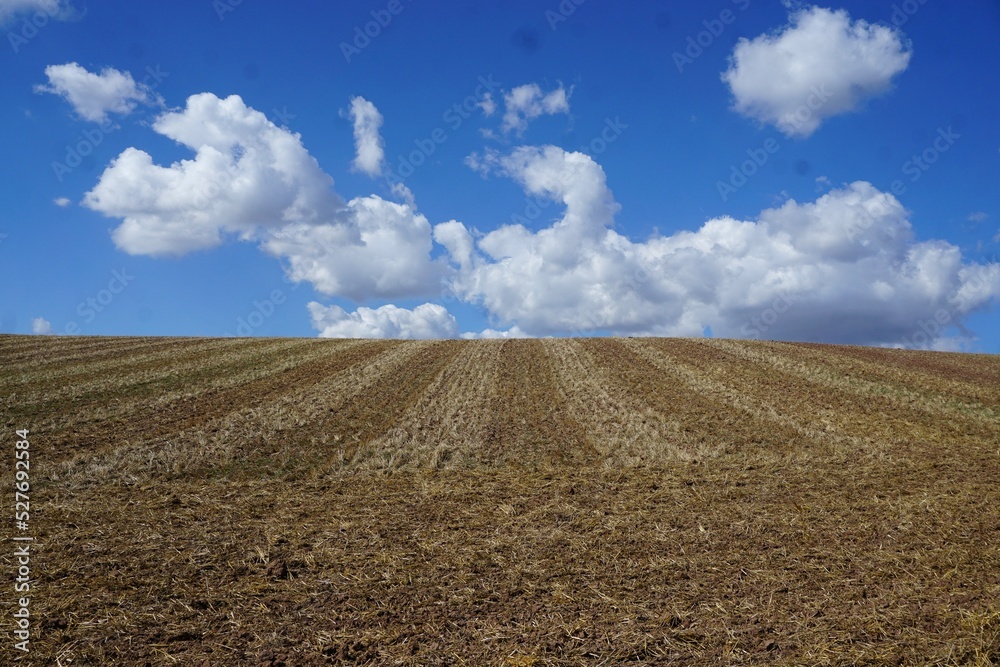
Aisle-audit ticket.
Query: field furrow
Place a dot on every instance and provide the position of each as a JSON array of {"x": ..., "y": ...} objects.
[
  {"x": 872, "y": 424},
  {"x": 278, "y": 432},
  {"x": 126, "y": 371},
  {"x": 81, "y": 420},
  {"x": 960, "y": 389},
  {"x": 701, "y": 412},
  {"x": 524, "y": 423},
  {"x": 593, "y": 501},
  {"x": 981, "y": 369},
  {"x": 197, "y": 430},
  {"x": 370, "y": 414},
  {"x": 58, "y": 376},
  {"x": 625, "y": 430},
  {"x": 42, "y": 350},
  {"x": 444, "y": 428}
]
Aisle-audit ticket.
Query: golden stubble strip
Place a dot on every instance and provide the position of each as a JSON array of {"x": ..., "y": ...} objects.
[
  {"x": 125, "y": 400},
  {"x": 43, "y": 350},
  {"x": 626, "y": 431},
  {"x": 273, "y": 432},
  {"x": 898, "y": 374},
  {"x": 66, "y": 380},
  {"x": 735, "y": 417},
  {"x": 525, "y": 422},
  {"x": 368, "y": 415},
  {"x": 706, "y": 425},
  {"x": 845, "y": 424},
  {"x": 15, "y": 346},
  {"x": 141, "y": 374},
  {"x": 975, "y": 369},
  {"x": 444, "y": 428},
  {"x": 891, "y": 411}
]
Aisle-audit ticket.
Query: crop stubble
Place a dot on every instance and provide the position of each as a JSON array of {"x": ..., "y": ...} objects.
[{"x": 508, "y": 502}]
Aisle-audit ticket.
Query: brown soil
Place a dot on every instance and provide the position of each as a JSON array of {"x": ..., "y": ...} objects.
[{"x": 556, "y": 502}]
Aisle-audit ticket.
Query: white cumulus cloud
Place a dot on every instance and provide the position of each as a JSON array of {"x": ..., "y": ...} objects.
[
  {"x": 94, "y": 96},
  {"x": 426, "y": 321},
  {"x": 247, "y": 174},
  {"x": 390, "y": 257},
  {"x": 843, "y": 268},
  {"x": 819, "y": 65},
  {"x": 525, "y": 103},
  {"x": 488, "y": 104},
  {"x": 367, "y": 140},
  {"x": 55, "y": 9},
  {"x": 41, "y": 326},
  {"x": 494, "y": 334},
  {"x": 256, "y": 181}
]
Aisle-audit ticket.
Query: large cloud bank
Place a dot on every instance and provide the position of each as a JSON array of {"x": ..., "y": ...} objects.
[{"x": 845, "y": 267}]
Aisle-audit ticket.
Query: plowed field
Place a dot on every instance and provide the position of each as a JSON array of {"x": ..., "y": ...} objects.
[{"x": 525, "y": 502}]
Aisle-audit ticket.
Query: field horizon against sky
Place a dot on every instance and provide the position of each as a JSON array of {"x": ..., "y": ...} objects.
[{"x": 403, "y": 169}]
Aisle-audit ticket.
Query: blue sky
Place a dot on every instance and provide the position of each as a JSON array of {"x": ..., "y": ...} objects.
[{"x": 739, "y": 168}]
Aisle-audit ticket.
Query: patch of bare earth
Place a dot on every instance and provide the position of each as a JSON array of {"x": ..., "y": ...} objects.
[{"x": 541, "y": 502}]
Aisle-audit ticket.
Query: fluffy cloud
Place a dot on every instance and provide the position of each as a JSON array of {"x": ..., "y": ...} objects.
[
  {"x": 247, "y": 174},
  {"x": 256, "y": 181},
  {"x": 94, "y": 96},
  {"x": 819, "y": 65},
  {"x": 61, "y": 202},
  {"x": 843, "y": 268},
  {"x": 423, "y": 322},
  {"x": 488, "y": 104},
  {"x": 41, "y": 326},
  {"x": 57, "y": 9},
  {"x": 525, "y": 103},
  {"x": 493, "y": 334},
  {"x": 367, "y": 140},
  {"x": 390, "y": 257}
]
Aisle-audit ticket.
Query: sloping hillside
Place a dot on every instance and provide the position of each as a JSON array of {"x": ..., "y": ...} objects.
[{"x": 585, "y": 501}]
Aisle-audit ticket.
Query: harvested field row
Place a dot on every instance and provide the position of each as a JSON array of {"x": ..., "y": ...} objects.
[
  {"x": 689, "y": 565},
  {"x": 72, "y": 376},
  {"x": 521, "y": 502}
]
